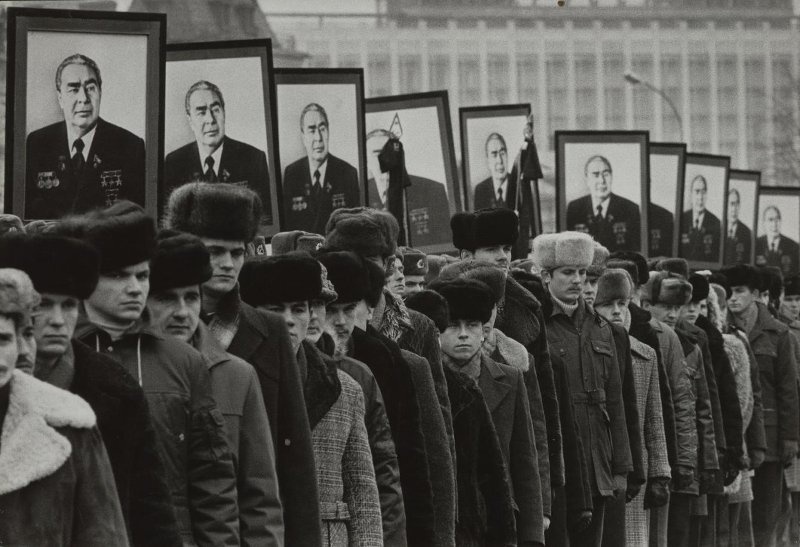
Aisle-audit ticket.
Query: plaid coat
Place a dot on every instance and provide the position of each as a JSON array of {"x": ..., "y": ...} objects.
[{"x": 651, "y": 428}]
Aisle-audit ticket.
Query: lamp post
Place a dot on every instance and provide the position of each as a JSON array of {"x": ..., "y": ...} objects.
[{"x": 634, "y": 79}]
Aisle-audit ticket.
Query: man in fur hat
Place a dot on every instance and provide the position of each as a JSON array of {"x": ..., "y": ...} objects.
[
  {"x": 585, "y": 343},
  {"x": 415, "y": 268},
  {"x": 225, "y": 217},
  {"x": 65, "y": 271},
  {"x": 192, "y": 441},
  {"x": 593, "y": 273},
  {"x": 488, "y": 234},
  {"x": 180, "y": 265},
  {"x": 772, "y": 345}
]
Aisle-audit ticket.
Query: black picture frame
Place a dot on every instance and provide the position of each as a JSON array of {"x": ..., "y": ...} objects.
[
  {"x": 340, "y": 91},
  {"x": 667, "y": 169},
  {"x": 243, "y": 72},
  {"x": 704, "y": 248},
  {"x": 786, "y": 199},
  {"x": 125, "y": 160},
  {"x": 429, "y": 155},
  {"x": 624, "y": 222},
  {"x": 742, "y": 248}
]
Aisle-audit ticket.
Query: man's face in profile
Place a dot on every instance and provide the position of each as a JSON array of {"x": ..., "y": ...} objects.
[
  {"x": 772, "y": 222},
  {"x": 207, "y": 118},
  {"x": 79, "y": 97},
  {"x": 599, "y": 179},
  {"x": 699, "y": 193},
  {"x": 497, "y": 159},
  {"x": 374, "y": 146},
  {"x": 315, "y": 135},
  {"x": 733, "y": 207}
]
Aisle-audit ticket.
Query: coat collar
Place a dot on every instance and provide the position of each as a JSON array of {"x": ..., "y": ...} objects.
[
  {"x": 462, "y": 391},
  {"x": 30, "y": 447},
  {"x": 765, "y": 323},
  {"x": 86, "y": 330},
  {"x": 510, "y": 351},
  {"x": 208, "y": 346},
  {"x": 253, "y": 329},
  {"x": 322, "y": 387},
  {"x": 493, "y": 383}
]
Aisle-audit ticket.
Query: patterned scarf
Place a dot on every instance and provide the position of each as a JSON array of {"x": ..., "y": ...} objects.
[
  {"x": 224, "y": 324},
  {"x": 395, "y": 318}
]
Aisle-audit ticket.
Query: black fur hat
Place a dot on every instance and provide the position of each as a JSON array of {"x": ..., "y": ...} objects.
[
  {"x": 669, "y": 289},
  {"x": 431, "y": 304},
  {"x": 123, "y": 234},
  {"x": 180, "y": 260},
  {"x": 292, "y": 277},
  {"x": 742, "y": 275},
  {"x": 677, "y": 266},
  {"x": 700, "y": 287},
  {"x": 638, "y": 259},
  {"x": 484, "y": 228},
  {"x": 771, "y": 281},
  {"x": 627, "y": 265},
  {"x": 56, "y": 264},
  {"x": 214, "y": 210},
  {"x": 348, "y": 274},
  {"x": 791, "y": 286},
  {"x": 363, "y": 230},
  {"x": 487, "y": 272},
  {"x": 467, "y": 299}
]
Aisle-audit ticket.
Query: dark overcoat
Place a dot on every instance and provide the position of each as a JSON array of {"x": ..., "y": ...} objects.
[{"x": 786, "y": 257}]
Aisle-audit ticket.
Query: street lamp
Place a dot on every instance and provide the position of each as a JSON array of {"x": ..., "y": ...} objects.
[{"x": 634, "y": 79}]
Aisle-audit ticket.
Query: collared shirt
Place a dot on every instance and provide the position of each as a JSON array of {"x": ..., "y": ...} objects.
[
  {"x": 382, "y": 183},
  {"x": 602, "y": 204},
  {"x": 87, "y": 142},
  {"x": 772, "y": 244},
  {"x": 732, "y": 229},
  {"x": 322, "y": 168},
  {"x": 217, "y": 155},
  {"x": 503, "y": 185},
  {"x": 697, "y": 219}
]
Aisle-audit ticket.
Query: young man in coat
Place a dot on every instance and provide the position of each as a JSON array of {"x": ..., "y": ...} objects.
[
  {"x": 773, "y": 347},
  {"x": 225, "y": 217},
  {"x": 65, "y": 271},
  {"x": 348, "y": 495},
  {"x": 56, "y": 484},
  {"x": 180, "y": 265},
  {"x": 174, "y": 377},
  {"x": 585, "y": 343}
]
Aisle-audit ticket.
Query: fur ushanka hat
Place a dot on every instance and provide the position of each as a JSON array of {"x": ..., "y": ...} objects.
[
  {"x": 180, "y": 260},
  {"x": 414, "y": 262},
  {"x": 484, "y": 228},
  {"x": 552, "y": 251},
  {"x": 467, "y": 299},
  {"x": 431, "y": 304},
  {"x": 598, "y": 265},
  {"x": 700, "y": 287},
  {"x": 677, "y": 266},
  {"x": 362, "y": 230},
  {"x": 614, "y": 284},
  {"x": 668, "y": 289},
  {"x": 742, "y": 275},
  {"x": 487, "y": 272},
  {"x": 296, "y": 240},
  {"x": 214, "y": 210},
  {"x": 637, "y": 258},
  {"x": 293, "y": 277},
  {"x": 348, "y": 274}
]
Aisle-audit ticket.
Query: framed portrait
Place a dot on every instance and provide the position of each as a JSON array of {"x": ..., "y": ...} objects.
[
  {"x": 742, "y": 204},
  {"x": 602, "y": 178},
  {"x": 422, "y": 123},
  {"x": 778, "y": 229},
  {"x": 322, "y": 152},
  {"x": 83, "y": 110},
  {"x": 491, "y": 139},
  {"x": 666, "y": 178},
  {"x": 703, "y": 217},
  {"x": 220, "y": 125}
]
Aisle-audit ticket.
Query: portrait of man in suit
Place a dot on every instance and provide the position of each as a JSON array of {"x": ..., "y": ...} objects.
[
  {"x": 213, "y": 156},
  {"x": 83, "y": 161},
  {"x": 738, "y": 237},
  {"x": 317, "y": 184},
  {"x": 661, "y": 224},
  {"x": 614, "y": 221},
  {"x": 773, "y": 248},
  {"x": 427, "y": 205},
  {"x": 701, "y": 230},
  {"x": 500, "y": 188}
]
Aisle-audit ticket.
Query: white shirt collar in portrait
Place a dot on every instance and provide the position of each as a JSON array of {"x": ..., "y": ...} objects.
[
  {"x": 217, "y": 155},
  {"x": 87, "y": 139},
  {"x": 382, "y": 183},
  {"x": 603, "y": 204},
  {"x": 503, "y": 185},
  {"x": 322, "y": 168},
  {"x": 697, "y": 218},
  {"x": 773, "y": 242}
]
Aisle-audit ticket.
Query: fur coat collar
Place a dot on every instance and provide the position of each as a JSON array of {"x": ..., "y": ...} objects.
[
  {"x": 506, "y": 350},
  {"x": 31, "y": 448}
]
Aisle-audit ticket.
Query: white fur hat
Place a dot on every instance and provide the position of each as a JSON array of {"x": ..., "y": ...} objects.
[{"x": 563, "y": 249}]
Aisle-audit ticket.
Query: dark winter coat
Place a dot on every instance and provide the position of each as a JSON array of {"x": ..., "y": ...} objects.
[
  {"x": 56, "y": 484},
  {"x": 263, "y": 341},
  {"x": 123, "y": 418},
  {"x": 485, "y": 510}
]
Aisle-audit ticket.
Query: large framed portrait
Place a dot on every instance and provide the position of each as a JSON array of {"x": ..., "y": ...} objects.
[
  {"x": 83, "y": 110},
  {"x": 601, "y": 181},
  {"x": 422, "y": 122},
  {"x": 220, "y": 120},
  {"x": 778, "y": 229},
  {"x": 703, "y": 217},
  {"x": 742, "y": 203},
  {"x": 491, "y": 139},
  {"x": 321, "y": 131},
  {"x": 666, "y": 179}
]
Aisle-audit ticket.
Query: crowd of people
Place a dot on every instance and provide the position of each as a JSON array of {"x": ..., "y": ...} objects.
[{"x": 173, "y": 386}]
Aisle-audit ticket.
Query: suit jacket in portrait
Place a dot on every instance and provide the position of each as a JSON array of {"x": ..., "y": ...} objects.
[
  {"x": 240, "y": 164},
  {"x": 660, "y": 227},
  {"x": 701, "y": 243},
  {"x": 428, "y": 209},
  {"x": 619, "y": 230},
  {"x": 486, "y": 197},
  {"x": 738, "y": 247},
  {"x": 303, "y": 210},
  {"x": 114, "y": 170},
  {"x": 786, "y": 257}
]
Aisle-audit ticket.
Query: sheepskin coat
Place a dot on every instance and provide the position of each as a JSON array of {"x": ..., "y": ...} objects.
[
  {"x": 741, "y": 489},
  {"x": 56, "y": 483}
]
